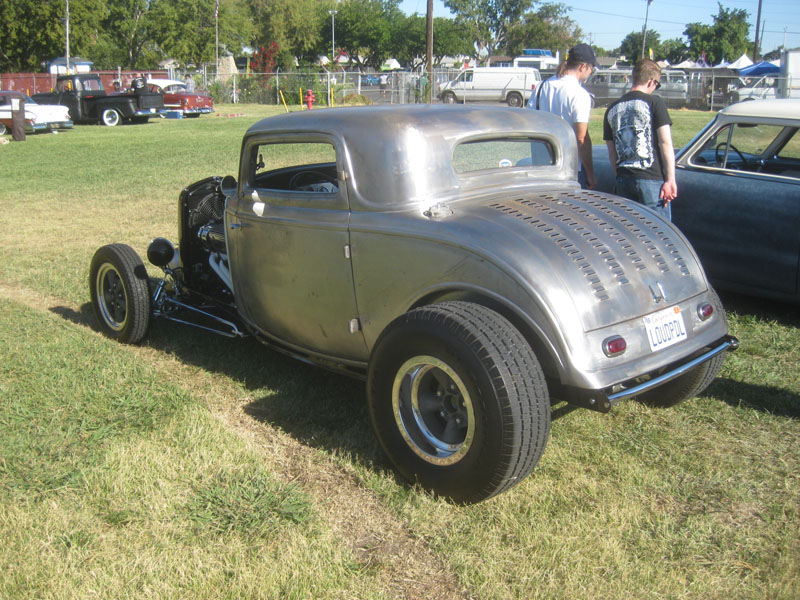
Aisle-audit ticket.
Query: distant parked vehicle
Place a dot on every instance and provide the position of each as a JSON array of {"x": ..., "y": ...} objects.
[
  {"x": 38, "y": 117},
  {"x": 83, "y": 94},
  {"x": 500, "y": 84},
  {"x": 608, "y": 85},
  {"x": 176, "y": 97}
]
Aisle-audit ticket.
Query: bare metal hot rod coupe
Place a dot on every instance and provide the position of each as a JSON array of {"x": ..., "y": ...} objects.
[{"x": 447, "y": 255}]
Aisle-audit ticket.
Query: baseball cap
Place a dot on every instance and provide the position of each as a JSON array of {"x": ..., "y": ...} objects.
[{"x": 582, "y": 53}]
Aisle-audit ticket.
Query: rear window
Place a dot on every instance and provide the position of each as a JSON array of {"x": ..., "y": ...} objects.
[{"x": 504, "y": 153}]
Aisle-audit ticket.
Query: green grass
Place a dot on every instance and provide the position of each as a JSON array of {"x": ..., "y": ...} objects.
[{"x": 199, "y": 467}]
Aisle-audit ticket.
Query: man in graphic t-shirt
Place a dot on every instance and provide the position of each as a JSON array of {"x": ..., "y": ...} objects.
[{"x": 636, "y": 129}]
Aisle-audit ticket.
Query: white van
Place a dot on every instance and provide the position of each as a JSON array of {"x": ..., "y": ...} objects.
[{"x": 500, "y": 84}]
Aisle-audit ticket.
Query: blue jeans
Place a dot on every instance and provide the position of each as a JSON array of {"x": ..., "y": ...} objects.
[{"x": 643, "y": 191}]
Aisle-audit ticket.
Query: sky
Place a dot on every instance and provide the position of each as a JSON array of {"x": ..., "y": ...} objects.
[{"x": 606, "y": 23}]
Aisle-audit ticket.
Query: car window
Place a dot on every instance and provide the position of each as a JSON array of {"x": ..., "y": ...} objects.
[
  {"x": 731, "y": 148},
  {"x": 294, "y": 167},
  {"x": 480, "y": 155},
  {"x": 792, "y": 148}
]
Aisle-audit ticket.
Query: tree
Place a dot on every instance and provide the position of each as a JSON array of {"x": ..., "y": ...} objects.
[
  {"x": 33, "y": 32},
  {"x": 631, "y": 45},
  {"x": 549, "y": 27},
  {"x": 364, "y": 30},
  {"x": 409, "y": 37},
  {"x": 490, "y": 21},
  {"x": 726, "y": 38},
  {"x": 674, "y": 50},
  {"x": 296, "y": 27}
]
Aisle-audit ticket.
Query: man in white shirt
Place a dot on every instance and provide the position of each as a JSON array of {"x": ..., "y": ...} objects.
[{"x": 565, "y": 96}]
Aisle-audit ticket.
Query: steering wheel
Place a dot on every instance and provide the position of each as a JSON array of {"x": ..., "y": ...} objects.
[
  {"x": 730, "y": 147},
  {"x": 304, "y": 178}
]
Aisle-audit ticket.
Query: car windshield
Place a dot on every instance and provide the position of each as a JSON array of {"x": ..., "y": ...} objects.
[{"x": 504, "y": 153}]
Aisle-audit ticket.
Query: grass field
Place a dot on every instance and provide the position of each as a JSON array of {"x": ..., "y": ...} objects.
[{"x": 198, "y": 467}]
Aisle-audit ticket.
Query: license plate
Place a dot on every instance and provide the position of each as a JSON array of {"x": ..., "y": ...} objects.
[{"x": 665, "y": 328}]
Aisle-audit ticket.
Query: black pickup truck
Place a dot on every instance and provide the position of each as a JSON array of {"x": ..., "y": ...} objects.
[{"x": 88, "y": 102}]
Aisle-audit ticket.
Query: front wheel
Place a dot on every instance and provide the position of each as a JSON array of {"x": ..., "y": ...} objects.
[
  {"x": 449, "y": 98},
  {"x": 110, "y": 117},
  {"x": 118, "y": 286},
  {"x": 458, "y": 400}
]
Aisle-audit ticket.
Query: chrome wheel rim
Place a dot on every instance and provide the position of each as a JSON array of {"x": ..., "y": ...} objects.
[
  {"x": 111, "y": 297},
  {"x": 433, "y": 410}
]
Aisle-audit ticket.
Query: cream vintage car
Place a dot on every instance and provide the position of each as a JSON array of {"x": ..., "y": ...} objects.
[{"x": 446, "y": 255}]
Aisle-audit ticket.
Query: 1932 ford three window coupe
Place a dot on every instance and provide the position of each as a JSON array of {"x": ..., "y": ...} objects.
[{"x": 447, "y": 255}]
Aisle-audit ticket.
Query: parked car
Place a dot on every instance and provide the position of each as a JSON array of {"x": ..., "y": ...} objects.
[
  {"x": 447, "y": 255},
  {"x": 88, "y": 102},
  {"x": 190, "y": 104},
  {"x": 367, "y": 79},
  {"x": 38, "y": 117},
  {"x": 608, "y": 85},
  {"x": 739, "y": 197},
  {"x": 510, "y": 85}
]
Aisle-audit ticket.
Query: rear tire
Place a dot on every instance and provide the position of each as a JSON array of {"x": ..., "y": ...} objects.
[
  {"x": 514, "y": 100},
  {"x": 684, "y": 387},
  {"x": 110, "y": 117},
  {"x": 458, "y": 400},
  {"x": 118, "y": 286}
]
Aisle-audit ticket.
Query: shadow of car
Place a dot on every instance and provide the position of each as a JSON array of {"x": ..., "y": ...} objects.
[{"x": 739, "y": 197}]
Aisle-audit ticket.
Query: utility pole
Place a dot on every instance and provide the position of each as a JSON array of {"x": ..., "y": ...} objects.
[
  {"x": 429, "y": 52},
  {"x": 67, "y": 48},
  {"x": 758, "y": 25},
  {"x": 644, "y": 29}
]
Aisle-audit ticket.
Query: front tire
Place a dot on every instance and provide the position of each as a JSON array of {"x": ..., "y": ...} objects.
[
  {"x": 110, "y": 117},
  {"x": 449, "y": 98},
  {"x": 118, "y": 286},
  {"x": 458, "y": 400}
]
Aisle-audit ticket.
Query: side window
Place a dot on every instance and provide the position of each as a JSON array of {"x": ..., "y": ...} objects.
[
  {"x": 303, "y": 167},
  {"x": 791, "y": 150},
  {"x": 493, "y": 154},
  {"x": 753, "y": 140},
  {"x": 468, "y": 76}
]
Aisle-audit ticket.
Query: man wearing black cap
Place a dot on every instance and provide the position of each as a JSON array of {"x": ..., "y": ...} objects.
[{"x": 564, "y": 95}]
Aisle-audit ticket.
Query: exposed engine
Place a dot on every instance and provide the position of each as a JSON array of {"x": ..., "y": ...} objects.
[{"x": 197, "y": 287}]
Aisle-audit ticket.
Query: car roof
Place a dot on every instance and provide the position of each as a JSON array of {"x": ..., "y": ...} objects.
[
  {"x": 781, "y": 108},
  {"x": 166, "y": 82},
  {"x": 402, "y": 153}
]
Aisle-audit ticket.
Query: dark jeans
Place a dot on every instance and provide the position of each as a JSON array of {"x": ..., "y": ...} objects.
[{"x": 643, "y": 191}]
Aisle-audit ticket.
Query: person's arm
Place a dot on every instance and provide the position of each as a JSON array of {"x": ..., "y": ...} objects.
[
  {"x": 612, "y": 155},
  {"x": 585, "y": 152},
  {"x": 669, "y": 191}
]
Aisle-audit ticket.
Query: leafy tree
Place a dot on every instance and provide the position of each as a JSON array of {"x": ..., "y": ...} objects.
[
  {"x": 33, "y": 32},
  {"x": 296, "y": 27},
  {"x": 548, "y": 27},
  {"x": 674, "y": 50},
  {"x": 726, "y": 38},
  {"x": 409, "y": 38},
  {"x": 364, "y": 30},
  {"x": 186, "y": 29},
  {"x": 631, "y": 45},
  {"x": 490, "y": 21}
]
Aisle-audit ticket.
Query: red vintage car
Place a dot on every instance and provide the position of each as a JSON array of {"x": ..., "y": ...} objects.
[{"x": 177, "y": 98}]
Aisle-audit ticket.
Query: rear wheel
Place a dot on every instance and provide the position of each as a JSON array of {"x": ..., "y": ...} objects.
[
  {"x": 458, "y": 400},
  {"x": 118, "y": 286},
  {"x": 110, "y": 117},
  {"x": 2, "y": 129},
  {"x": 514, "y": 100}
]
